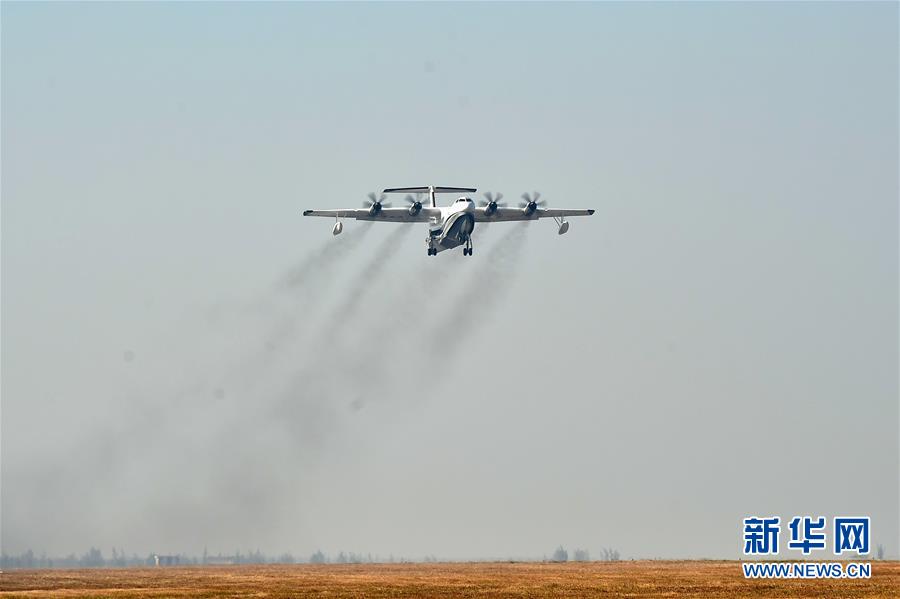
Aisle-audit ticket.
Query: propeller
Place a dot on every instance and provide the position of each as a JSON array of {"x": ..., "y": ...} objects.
[
  {"x": 532, "y": 202},
  {"x": 492, "y": 202},
  {"x": 415, "y": 204},
  {"x": 376, "y": 203}
]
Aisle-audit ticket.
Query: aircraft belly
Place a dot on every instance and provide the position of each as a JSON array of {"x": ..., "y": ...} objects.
[{"x": 455, "y": 231}]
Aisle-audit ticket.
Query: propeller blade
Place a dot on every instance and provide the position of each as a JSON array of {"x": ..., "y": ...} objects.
[
  {"x": 376, "y": 201},
  {"x": 410, "y": 199},
  {"x": 499, "y": 195},
  {"x": 537, "y": 195},
  {"x": 526, "y": 197}
]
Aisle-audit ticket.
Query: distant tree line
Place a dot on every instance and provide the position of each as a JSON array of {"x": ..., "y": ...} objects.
[
  {"x": 118, "y": 558},
  {"x": 560, "y": 554},
  {"x": 94, "y": 558},
  {"x": 358, "y": 558}
]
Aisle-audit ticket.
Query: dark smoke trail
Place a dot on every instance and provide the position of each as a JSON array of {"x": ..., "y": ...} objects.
[
  {"x": 482, "y": 292},
  {"x": 306, "y": 282},
  {"x": 212, "y": 433},
  {"x": 363, "y": 282},
  {"x": 425, "y": 321},
  {"x": 305, "y": 393},
  {"x": 303, "y": 406},
  {"x": 326, "y": 255},
  {"x": 418, "y": 298},
  {"x": 306, "y": 403}
]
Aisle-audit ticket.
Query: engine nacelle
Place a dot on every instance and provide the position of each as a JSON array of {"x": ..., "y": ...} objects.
[
  {"x": 563, "y": 228},
  {"x": 338, "y": 227}
]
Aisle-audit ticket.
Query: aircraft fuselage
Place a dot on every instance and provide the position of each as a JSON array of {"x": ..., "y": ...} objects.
[{"x": 454, "y": 227}]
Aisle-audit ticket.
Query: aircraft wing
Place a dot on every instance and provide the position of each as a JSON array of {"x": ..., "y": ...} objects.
[
  {"x": 391, "y": 215},
  {"x": 512, "y": 214}
]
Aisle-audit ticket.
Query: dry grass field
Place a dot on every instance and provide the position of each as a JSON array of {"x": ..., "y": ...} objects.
[{"x": 592, "y": 579}]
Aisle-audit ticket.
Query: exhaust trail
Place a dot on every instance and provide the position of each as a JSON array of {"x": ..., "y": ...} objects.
[
  {"x": 323, "y": 258},
  {"x": 288, "y": 305},
  {"x": 301, "y": 287},
  {"x": 191, "y": 433},
  {"x": 303, "y": 412},
  {"x": 427, "y": 322},
  {"x": 305, "y": 284},
  {"x": 305, "y": 408},
  {"x": 302, "y": 404},
  {"x": 417, "y": 299},
  {"x": 481, "y": 293},
  {"x": 306, "y": 402},
  {"x": 364, "y": 281}
]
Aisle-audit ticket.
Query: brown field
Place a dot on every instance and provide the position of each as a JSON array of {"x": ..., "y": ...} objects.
[{"x": 495, "y": 579}]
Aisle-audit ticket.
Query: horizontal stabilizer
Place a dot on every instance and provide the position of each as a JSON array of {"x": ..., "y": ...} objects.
[{"x": 427, "y": 189}]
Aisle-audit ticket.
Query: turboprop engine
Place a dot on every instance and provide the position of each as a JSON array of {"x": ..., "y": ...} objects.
[
  {"x": 492, "y": 203},
  {"x": 531, "y": 203},
  {"x": 415, "y": 204},
  {"x": 376, "y": 203}
]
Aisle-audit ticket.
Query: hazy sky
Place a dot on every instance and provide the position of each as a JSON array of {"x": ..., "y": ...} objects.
[{"x": 187, "y": 362}]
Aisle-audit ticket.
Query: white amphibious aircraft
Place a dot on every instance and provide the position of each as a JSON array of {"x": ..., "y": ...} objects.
[{"x": 449, "y": 226}]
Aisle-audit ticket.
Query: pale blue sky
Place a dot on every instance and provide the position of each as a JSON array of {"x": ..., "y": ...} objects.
[{"x": 732, "y": 305}]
